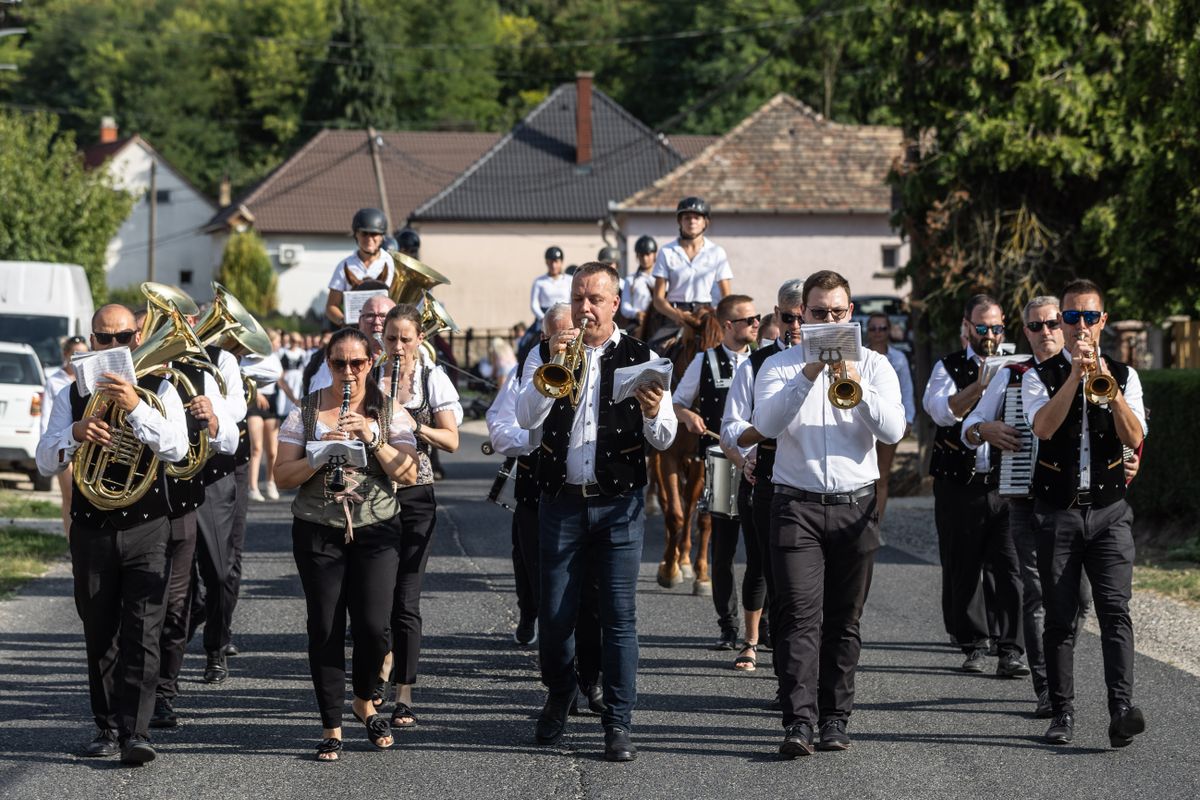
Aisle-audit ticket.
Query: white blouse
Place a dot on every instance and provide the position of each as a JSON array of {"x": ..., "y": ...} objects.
[{"x": 400, "y": 432}]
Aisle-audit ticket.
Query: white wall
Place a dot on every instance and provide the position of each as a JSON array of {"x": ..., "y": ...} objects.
[
  {"x": 180, "y": 245},
  {"x": 304, "y": 285},
  {"x": 764, "y": 251}
]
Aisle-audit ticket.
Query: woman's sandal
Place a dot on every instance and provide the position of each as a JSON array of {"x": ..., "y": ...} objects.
[
  {"x": 377, "y": 728},
  {"x": 403, "y": 711},
  {"x": 379, "y": 696},
  {"x": 329, "y": 750},
  {"x": 748, "y": 660}
]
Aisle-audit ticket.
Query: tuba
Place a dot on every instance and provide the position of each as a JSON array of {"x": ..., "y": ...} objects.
[
  {"x": 1098, "y": 388},
  {"x": 413, "y": 279},
  {"x": 556, "y": 378},
  {"x": 229, "y": 326},
  {"x": 119, "y": 474}
]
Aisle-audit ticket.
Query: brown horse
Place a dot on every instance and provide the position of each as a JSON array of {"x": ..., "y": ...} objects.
[{"x": 680, "y": 473}]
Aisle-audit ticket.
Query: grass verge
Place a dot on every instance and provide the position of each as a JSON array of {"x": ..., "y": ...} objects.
[
  {"x": 20, "y": 504},
  {"x": 1170, "y": 567},
  {"x": 26, "y": 554}
]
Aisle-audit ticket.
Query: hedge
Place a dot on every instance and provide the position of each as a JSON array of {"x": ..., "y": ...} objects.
[{"x": 1168, "y": 485}]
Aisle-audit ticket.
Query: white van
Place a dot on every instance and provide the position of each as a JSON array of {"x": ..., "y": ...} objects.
[
  {"x": 43, "y": 303},
  {"x": 21, "y": 383}
]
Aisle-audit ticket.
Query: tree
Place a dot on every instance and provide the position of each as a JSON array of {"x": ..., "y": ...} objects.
[
  {"x": 51, "y": 209},
  {"x": 247, "y": 273},
  {"x": 355, "y": 88}
]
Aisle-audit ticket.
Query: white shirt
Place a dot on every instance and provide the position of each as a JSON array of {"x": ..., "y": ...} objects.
[
  {"x": 1034, "y": 396},
  {"x": 263, "y": 370},
  {"x": 508, "y": 438},
  {"x": 637, "y": 295},
  {"x": 166, "y": 436},
  {"x": 359, "y": 270},
  {"x": 692, "y": 281},
  {"x": 235, "y": 395},
  {"x": 54, "y": 385},
  {"x": 689, "y": 384},
  {"x": 821, "y": 448},
  {"x": 533, "y": 407},
  {"x": 936, "y": 402},
  {"x": 899, "y": 363},
  {"x": 547, "y": 291}
]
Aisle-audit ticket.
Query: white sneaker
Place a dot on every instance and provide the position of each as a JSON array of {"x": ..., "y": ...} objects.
[
  {"x": 255, "y": 495},
  {"x": 272, "y": 493}
]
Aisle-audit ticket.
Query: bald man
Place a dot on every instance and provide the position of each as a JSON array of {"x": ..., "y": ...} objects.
[
  {"x": 370, "y": 322},
  {"x": 119, "y": 556}
]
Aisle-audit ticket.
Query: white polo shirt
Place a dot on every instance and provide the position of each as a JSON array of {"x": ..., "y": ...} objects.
[
  {"x": 694, "y": 280},
  {"x": 383, "y": 263}
]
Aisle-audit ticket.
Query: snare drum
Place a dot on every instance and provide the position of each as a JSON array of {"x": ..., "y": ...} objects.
[
  {"x": 721, "y": 478},
  {"x": 504, "y": 488}
]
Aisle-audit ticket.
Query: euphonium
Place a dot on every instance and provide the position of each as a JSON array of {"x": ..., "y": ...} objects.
[
  {"x": 434, "y": 320},
  {"x": 413, "y": 279},
  {"x": 556, "y": 379},
  {"x": 229, "y": 326},
  {"x": 1098, "y": 388}
]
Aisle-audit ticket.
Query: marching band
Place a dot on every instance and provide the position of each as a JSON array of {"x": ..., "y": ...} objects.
[{"x": 1030, "y": 463}]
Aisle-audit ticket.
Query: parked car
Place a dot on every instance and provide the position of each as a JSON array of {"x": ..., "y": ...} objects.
[
  {"x": 897, "y": 314},
  {"x": 21, "y": 382}
]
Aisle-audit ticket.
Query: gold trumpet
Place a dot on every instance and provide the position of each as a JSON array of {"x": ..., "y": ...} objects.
[
  {"x": 1098, "y": 388},
  {"x": 556, "y": 379},
  {"x": 844, "y": 393}
]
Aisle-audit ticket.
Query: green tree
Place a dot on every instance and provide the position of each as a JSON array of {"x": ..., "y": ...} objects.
[
  {"x": 51, "y": 209},
  {"x": 355, "y": 88},
  {"x": 247, "y": 273}
]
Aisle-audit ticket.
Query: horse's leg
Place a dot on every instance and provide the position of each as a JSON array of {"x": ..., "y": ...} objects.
[
  {"x": 687, "y": 514},
  {"x": 668, "y": 568},
  {"x": 702, "y": 585}
]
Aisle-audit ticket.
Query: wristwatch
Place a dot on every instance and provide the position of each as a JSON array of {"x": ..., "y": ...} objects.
[{"x": 974, "y": 435}]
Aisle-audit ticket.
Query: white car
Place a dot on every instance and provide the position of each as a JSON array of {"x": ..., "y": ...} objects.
[{"x": 21, "y": 383}]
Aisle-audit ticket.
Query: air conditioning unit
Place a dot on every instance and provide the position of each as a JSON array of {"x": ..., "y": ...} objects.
[{"x": 290, "y": 254}]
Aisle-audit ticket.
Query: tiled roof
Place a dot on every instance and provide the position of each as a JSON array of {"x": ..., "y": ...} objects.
[
  {"x": 97, "y": 154},
  {"x": 690, "y": 145},
  {"x": 318, "y": 189},
  {"x": 531, "y": 174},
  {"x": 785, "y": 158}
]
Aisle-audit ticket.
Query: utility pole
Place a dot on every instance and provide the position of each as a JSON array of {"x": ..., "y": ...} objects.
[
  {"x": 153, "y": 219},
  {"x": 374, "y": 139}
]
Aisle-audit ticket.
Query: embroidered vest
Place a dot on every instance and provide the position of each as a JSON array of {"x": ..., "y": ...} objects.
[
  {"x": 951, "y": 459},
  {"x": 714, "y": 388}
]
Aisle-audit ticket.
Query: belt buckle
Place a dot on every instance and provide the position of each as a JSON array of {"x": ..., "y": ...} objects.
[
  {"x": 1083, "y": 499},
  {"x": 583, "y": 489},
  {"x": 830, "y": 500}
]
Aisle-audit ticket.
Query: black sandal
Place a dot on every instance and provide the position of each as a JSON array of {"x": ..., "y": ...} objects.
[
  {"x": 747, "y": 663},
  {"x": 328, "y": 746},
  {"x": 377, "y": 728},
  {"x": 379, "y": 696},
  {"x": 402, "y": 711}
]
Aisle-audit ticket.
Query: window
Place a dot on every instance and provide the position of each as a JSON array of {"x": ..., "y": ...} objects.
[
  {"x": 163, "y": 196},
  {"x": 891, "y": 256},
  {"x": 185, "y": 277}
]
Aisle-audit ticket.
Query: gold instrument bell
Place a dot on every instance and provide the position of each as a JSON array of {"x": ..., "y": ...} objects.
[
  {"x": 556, "y": 378},
  {"x": 412, "y": 279},
  {"x": 1098, "y": 388},
  {"x": 228, "y": 325}
]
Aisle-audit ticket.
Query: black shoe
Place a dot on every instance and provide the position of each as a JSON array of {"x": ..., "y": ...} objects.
[
  {"x": 595, "y": 698},
  {"x": 617, "y": 746},
  {"x": 136, "y": 751},
  {"x": 1044, "y": 710},
  {"x": 553, "y": 719},
  {"x": 797, "y": 740},
  {"x": 105, "y": 744},
  {"x": 1062, "y": 729},
  {"x": 217, "y": 669},
  {"x": 727, "y": 641},
  {"x": 527, "y": 631},
  {"x": 993, "y": 648},
  {"x": 974, "y": 662},
  {"x": 164, "y": 715},
  {"x": 833, "y": 735},
  {"x": 232, "y": 650},
  {"x": 1125, "y": 724},
  {"x": 764, "y": 639},
  {"x": 1011, "y": 665}
]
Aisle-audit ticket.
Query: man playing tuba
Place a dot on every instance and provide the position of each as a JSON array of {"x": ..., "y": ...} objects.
[{"x": 118, "y": 554}]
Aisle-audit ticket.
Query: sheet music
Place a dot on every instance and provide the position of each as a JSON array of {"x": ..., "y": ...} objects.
[
  {"x": 91, "y": 366},
  {"x": 351, "y": 453},
  {"x": 354, "y": 301},
  {"x": 829, "y": 342},
  {"x": 626, "y": 380},
  {"x": 996, "y": 363}
]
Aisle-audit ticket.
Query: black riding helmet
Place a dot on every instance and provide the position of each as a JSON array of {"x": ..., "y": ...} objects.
[
  {"x": 554, "y": 254},
  {"x": 371, "y": 220},
  {"x": 645, "y": 245},
  {"x": 609, "y": 255},
  {"x": 408, "y": 240},
  {"x": 696, "y": 205}
]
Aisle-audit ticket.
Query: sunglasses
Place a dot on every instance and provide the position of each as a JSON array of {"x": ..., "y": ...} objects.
[
  {"x": 1089, "y": 317},
  {"x": 340, "y": 364},
  {"x": 788, "y": 319},
  {"x": 833, "y": 314},
  {"x": 877, "y": 328},
  {"x": 1051, "y": 324},
  {"x": 121, "y": 337},
  {"x": 751, "y": 320},
  {"x": 983, "y": 330}
]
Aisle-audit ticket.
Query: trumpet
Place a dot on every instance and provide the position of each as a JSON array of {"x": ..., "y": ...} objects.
[
  {"x": 844, "y": 393},
  {"x": 556, "y": 378},
  {"x": 1098, "y": 388},
  {"x": 989, "y": 348}
]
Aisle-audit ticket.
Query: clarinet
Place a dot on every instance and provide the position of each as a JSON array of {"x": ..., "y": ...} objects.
[{"x": 337, "y": 478}]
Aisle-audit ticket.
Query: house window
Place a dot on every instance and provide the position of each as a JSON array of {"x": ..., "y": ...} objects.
[
  {"x": 185, "y": 277},
  {"x": 891, "y": 256},
  {"x": 163, "y": 196}
]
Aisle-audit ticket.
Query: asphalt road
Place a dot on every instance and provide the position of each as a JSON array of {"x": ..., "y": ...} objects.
[{"x": 920, "y": 727}]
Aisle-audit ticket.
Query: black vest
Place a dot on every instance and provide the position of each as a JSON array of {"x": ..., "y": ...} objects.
[
  {"x": 620, "y": 446},
  {"x": 186, "y": 496},
  {"x": 525, "y": 477},
  {"x": 1056, "y": 474},
  {"x": 153, "y": 505},
  {"x": 764, "y": 462},
  {"x": 710, "y": 398},
  {"x": 951, "y": 459}
]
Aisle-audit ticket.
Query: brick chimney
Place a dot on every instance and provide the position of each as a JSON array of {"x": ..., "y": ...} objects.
[
  {"x": 108, "y": 130},
  {"x": 583, "y": 119}
]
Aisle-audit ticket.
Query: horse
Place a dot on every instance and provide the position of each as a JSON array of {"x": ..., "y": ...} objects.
[{"x": 680, "y": 476}]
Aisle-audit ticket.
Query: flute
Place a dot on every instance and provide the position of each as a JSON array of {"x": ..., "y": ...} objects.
[{"x": 337, "y": 479}]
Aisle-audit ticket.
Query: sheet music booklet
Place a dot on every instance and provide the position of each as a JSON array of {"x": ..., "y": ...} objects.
[
  {"x": 91, "y": 366},
  {"x": 829, "y": 341},
  {"x": 341, "y": 453},
  {"x": 353, "y": 301},
  {"x": 626, "y": 380}
]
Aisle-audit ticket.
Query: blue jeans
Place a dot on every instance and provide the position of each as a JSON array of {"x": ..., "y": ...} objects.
[{"x": 605, "y": 535}]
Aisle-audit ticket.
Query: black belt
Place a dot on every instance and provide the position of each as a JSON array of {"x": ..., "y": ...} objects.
[
  {"x": 1082, "y": 500},
  {"x": 582, "y": 490},
  {"x": 835, "y": 499},
  {"x": 690, "y": 306}
]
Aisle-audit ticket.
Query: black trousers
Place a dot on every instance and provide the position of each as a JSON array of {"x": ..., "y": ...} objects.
[
  {"x": 725, "y": 533},
  {"x": 823, "y": 557},
  {"x": 754, "y": 579},
  {"x": 525, "y": 558},
  {"x": 181, "y": 552},
  {"x": 120, "y": 585},
  {"x": 417, "y": 519},
  {"x": 212, "y": 604},
  {"x": 947, "y": 524},
  {"x": 338, "y": 577},
  {"x": 761, "y": 496},
  {"x": 1099, "y": 542},
  {"x": 240, "y": 508}
]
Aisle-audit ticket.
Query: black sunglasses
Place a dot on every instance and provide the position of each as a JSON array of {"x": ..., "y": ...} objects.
[
  {"x": 751, "y": 320},
  {"x": 834, "y": 314},
  {"x": 877, "y": 328},
  {"x": 1089, "y": 317},
  {"x": 788, "y": 319},
  {"x": 1051, "y": 324},
  {"x": 121, "y": 337},
  {"x": 982, "y": 330},
  {"x": 355, "y": 364}
]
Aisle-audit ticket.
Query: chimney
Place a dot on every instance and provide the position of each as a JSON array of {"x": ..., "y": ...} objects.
[
  {"x": 225, "y": 193},
  {"x": 108, "y": 130},
  {"x": 583, "y": 119}
]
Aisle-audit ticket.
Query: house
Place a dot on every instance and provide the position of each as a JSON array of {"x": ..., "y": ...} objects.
[
  {"x": 548, "y": 181},
  {"x": 169, "y": 211},
  {"x": 302, "y": 210},
  {"x": 791, "y": 193}
]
